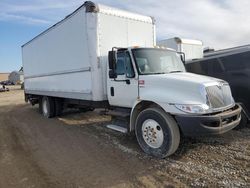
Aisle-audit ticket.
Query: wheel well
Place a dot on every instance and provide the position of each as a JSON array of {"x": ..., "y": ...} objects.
[{"x": 138, "y": 108}]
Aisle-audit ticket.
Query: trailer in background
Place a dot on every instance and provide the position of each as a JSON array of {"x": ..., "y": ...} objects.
[
  {"x": 232, "y": 65},
  {"x": 193, "y": 49}
]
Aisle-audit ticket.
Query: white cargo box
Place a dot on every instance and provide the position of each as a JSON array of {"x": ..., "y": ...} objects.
[
  {"x": 69, "y": 59},
  {"x": 193, "y": 49}
]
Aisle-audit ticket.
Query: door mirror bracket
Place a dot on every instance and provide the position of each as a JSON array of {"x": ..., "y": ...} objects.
[
  {"x": 182, "y": 56},
  {"x": 112, "y": 74}
]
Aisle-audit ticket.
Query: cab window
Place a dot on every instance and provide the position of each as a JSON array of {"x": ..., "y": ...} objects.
[{"x": 124, "y": 65}]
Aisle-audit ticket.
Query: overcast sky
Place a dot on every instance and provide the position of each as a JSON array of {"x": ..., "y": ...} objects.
[{"x": 218, "y": 23}]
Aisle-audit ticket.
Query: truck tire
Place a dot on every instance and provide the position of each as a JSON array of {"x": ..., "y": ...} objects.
[
  {"x": 48, "y": 107},
  {"x": 40, "y": 105},
  {"x": 157, "y": 132},
  {"x": 58, "y": 106}
]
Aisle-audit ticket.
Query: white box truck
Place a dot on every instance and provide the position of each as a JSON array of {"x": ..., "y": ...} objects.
[
  {"x": 193, "y": 49},
  {"x": 101, "y": 57}
]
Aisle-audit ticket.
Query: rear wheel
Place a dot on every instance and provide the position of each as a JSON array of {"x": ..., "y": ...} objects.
[
  {"x": 58, "y": 106},
  {"x": 157, "y": 132},
  {"x": 47, "y": 107}
]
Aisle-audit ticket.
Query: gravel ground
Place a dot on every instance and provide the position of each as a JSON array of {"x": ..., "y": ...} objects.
[{"x": 77, "y": 150}]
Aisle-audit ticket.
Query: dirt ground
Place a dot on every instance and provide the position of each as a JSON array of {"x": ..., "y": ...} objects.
[{"x": 77, "y": 150}]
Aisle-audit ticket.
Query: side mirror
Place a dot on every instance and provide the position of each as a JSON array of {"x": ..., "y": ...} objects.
[
  {"x": 112, "y": 59},
  {"x": 112, "y": 74}
]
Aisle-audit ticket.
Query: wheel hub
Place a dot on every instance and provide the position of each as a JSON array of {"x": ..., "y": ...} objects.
[
  {"x": 45, "y": 107},
  {"x": 152, "y": 133}
]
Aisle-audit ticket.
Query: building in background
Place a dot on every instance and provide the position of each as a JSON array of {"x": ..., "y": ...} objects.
[
  {"x": 4, "y": 76},
  {"x": 16, "y": 77}
]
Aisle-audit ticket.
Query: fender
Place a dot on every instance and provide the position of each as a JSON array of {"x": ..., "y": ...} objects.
[{"x": 140, "y": 105}]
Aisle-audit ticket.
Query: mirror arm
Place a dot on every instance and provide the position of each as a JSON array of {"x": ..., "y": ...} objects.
[{"x": 184, "y": 57}]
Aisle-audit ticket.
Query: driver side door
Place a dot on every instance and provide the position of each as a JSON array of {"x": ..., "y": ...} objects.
[{"x": 123, "y": 91}]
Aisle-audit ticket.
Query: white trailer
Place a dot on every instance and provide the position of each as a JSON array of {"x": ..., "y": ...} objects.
[
  {"x": 193, "y": 49},
  {"x": 87, "y": 61}
]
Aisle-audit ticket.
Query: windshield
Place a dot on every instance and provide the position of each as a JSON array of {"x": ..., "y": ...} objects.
[{"x": 157, "y": 61}]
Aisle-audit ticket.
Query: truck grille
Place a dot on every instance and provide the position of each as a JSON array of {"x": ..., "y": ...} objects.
[{"x": 219, "y": 95}]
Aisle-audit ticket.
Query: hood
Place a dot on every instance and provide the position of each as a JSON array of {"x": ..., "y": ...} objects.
[
  {"x": 190, "y": 77},
  {"x": 175, "y": 88}
]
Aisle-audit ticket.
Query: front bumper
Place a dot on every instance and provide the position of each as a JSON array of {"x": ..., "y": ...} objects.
[{"x": 210, "y": 124}]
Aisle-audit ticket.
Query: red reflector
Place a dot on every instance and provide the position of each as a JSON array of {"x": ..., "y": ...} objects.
[{"x": 141, "y": 82}]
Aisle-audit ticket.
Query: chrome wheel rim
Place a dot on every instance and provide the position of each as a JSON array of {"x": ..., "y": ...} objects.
[
  {"x": 45, "y": 107},
  {"x": 152, "y": 133}
]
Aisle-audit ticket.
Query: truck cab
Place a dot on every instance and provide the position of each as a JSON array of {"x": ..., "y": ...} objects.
[{"x": 165, "y": 101}]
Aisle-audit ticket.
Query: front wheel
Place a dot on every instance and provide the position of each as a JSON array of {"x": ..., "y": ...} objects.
[{"x": 157, "y": 132}]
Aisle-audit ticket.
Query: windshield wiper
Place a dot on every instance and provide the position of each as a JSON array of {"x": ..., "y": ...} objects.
[
  {"x": 175, "y": 71},
  {"x": 159, "y": 73}
]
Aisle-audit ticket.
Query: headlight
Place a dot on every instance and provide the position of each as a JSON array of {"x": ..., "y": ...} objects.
[{"x": 193, "y": 108}]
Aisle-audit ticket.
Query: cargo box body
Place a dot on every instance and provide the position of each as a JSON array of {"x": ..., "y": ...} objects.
[
  {"x": 70, "y": 59},
  {"x": 193, "y": 49}
]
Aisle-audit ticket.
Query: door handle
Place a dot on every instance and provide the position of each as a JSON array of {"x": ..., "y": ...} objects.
[{"x": 112, "y": 91}]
